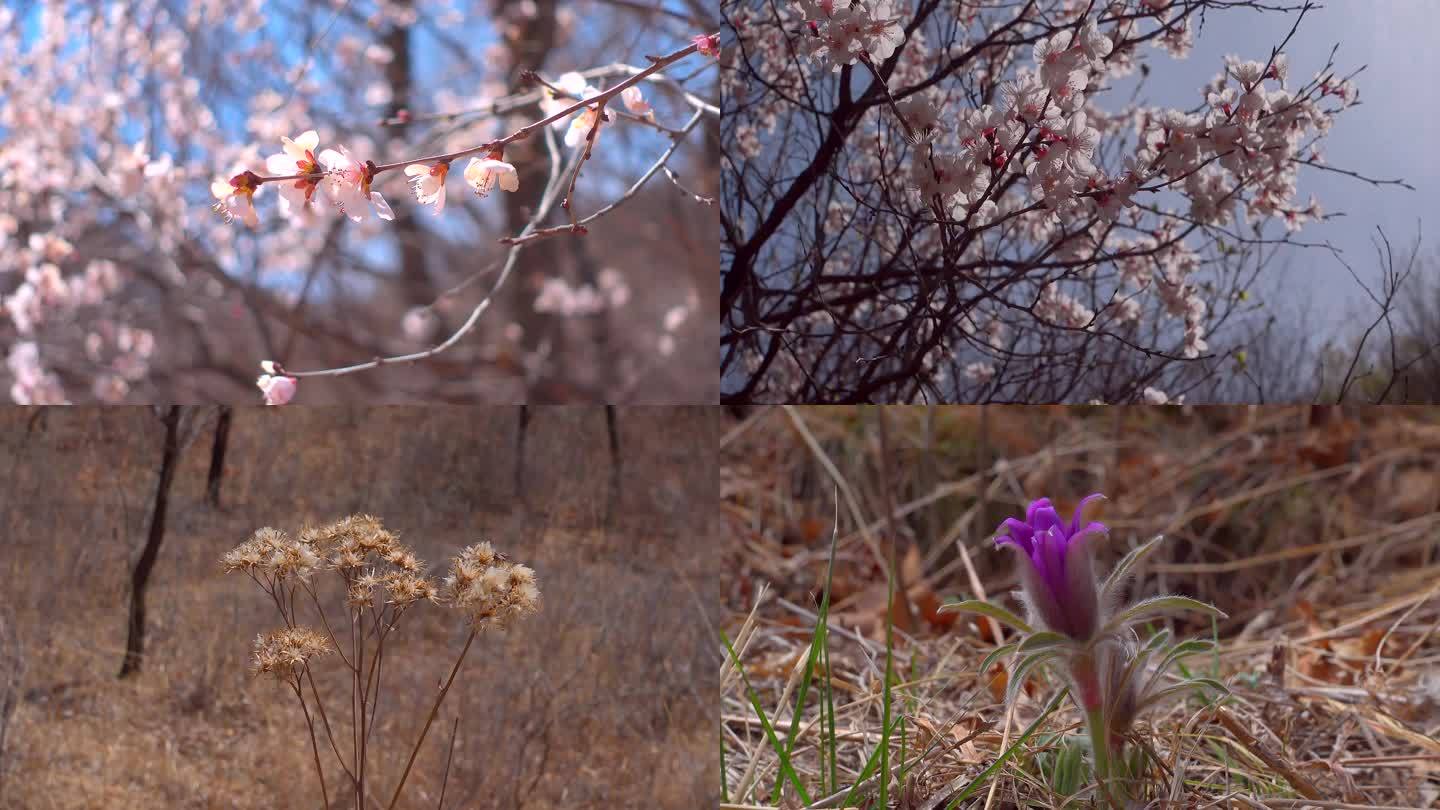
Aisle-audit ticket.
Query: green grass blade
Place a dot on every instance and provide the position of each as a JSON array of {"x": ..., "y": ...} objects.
[
  {"x": 886, "y": 696},
  {"x": 785, "y": 768},
  {"x": 870, "y": 765},
  {"x": 724, "y": 786},
  {"x": 1004, "y": 757}
]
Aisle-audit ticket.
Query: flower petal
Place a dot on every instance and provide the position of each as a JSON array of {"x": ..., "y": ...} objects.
[
  {"x": 281, "y": 164},
  {"x": 1021, "y": 535},
  {"x": 1080, "y": 509},
  {"x": 382, "y": 208}
]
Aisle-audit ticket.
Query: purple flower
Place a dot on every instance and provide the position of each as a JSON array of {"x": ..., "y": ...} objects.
[{"x": 1057, "y": 575}]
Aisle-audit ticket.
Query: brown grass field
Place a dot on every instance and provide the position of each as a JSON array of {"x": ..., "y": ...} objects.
[
  {"x": 1316, "y": 529},
  {"x": 605, "y": 699}
]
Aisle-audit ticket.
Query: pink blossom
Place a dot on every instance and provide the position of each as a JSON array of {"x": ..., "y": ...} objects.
[
  {"x": 708, "y": 45},
  {"x": 298, "y": 157},
  {"x": 278, "y": 389},
  {"x": 429, "y": 183},
  {"x": 349, "y": 185},
  {"x": 483, "y": 173},
  {"x": 635, "y": 101},
  {"x": 238, "y": 190},
  {"x": 572, "y": 87}
]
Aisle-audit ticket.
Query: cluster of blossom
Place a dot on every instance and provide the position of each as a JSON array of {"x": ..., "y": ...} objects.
[
  {"x": 558, "y": 296},
  {"x": 72, "y": 174},
  {"x": 1056, "y": 307},
  {"x": 45, "y": 297},
  {"x": 1154, "y": 396},
  {"x": 1250, "y": 133},
  {"x": 1038, "y": 145},
  {"x": 346, "y": 182},
  {"x": 840, "y": 35}
]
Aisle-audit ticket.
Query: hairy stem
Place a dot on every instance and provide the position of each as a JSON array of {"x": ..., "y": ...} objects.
[{"x": 1100, "y": 744}]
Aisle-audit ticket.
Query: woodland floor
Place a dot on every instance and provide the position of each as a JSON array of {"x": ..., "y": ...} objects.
[{"x": 1316, "y": 529}]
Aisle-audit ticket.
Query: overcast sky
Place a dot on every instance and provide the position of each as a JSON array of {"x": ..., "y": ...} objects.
[{"x": 1391, "y": 134}]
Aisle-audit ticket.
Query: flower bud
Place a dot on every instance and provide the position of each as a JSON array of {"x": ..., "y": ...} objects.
[{"x": 1057, "y": 574}]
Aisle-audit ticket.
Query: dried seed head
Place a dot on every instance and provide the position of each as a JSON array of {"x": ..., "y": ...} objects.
[
  {"x": 347, "y": 559},
  {"x": 354, "y": 537},
  {"x": 488, "y": 589},
  {"x": 255, "y": 552},
  {"x": 285, "y": 653},
  {"x": 406, "y": 588},
  {"x": 404, "y": 559},
  {"x": 290, "y": 558},
  {"x": 362, "y": 590}
]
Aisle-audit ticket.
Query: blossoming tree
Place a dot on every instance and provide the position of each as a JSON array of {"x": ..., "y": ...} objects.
[
  {"x": 970, "y": 201},
  {"x": 194, "y": 195}
]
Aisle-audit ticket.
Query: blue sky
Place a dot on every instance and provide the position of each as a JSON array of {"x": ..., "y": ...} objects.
[{"x": 1386, "y": 136}]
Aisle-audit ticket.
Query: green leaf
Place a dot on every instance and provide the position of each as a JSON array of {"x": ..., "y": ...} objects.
[
  {"x": 1022, "y": 669},
  {"x": 1156, "y": 606},
  {"x": 995, "y": 612},
  {"x": 995, "y": 654},
  {"x": 1117, "y": 577},
  {"x": 1042, "y": 640},
  {"x": 1181, "y": 688},
  {"x": 1184, "y": 648}
]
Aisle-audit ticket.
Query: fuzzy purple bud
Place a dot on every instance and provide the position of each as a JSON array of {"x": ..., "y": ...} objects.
[{"x": 1057, "y": 574}]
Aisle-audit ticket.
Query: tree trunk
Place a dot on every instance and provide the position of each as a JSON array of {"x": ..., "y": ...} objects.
[
  {"x": 613, "y": 497},
  {"x": 417, "y": 289},
  {"x": 520, "y": 430},
  {"x": 140, "y": 577},
  {"x": 217, "y": 457}
]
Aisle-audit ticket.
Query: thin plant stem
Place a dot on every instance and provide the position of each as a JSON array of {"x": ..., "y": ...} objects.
[
  {"x": 434, "y": 710},
  {"x": 445, "y": 780},
  {"x": 378, "y": 659},
  {"x": 357, "y": 703},
  {"x": 326, "y": 621},
  {"x": 314, "y": 746},
  {"x": 325, "y": 722}
]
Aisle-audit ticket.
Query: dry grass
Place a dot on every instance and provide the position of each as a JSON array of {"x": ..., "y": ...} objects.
[
  {"x": 598, "y": 703},
  {"x": 1316, "y": 530}
]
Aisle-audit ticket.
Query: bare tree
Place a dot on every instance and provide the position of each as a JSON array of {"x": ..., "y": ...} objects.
[{"x": 145, "y": 565}]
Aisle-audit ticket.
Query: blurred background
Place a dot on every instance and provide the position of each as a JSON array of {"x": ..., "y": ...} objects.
[
  {"x": 1315, "y": 528},
  {"x": 119, "y": 283},
  {"x": 603, "y": 699}
]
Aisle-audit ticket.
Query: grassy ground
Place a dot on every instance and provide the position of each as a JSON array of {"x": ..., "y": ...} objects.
[
  {"x": 1315, "y": 529},
  {"x": 598, "y": 701}
]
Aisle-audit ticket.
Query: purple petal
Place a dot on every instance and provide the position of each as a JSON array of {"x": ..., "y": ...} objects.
[
  {"x": 1079, "y": 510},
  {"x": 1020, "y": 534},
  {"x": 1093, "y": 527},
  {"x": 1039, "y": 597},
  {"x": 1081, "y": 602},
  {"x": 1054, "y": 555},
  {"x": 1044, "y": 518},
  {"x": 1042, "y": 503}
]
